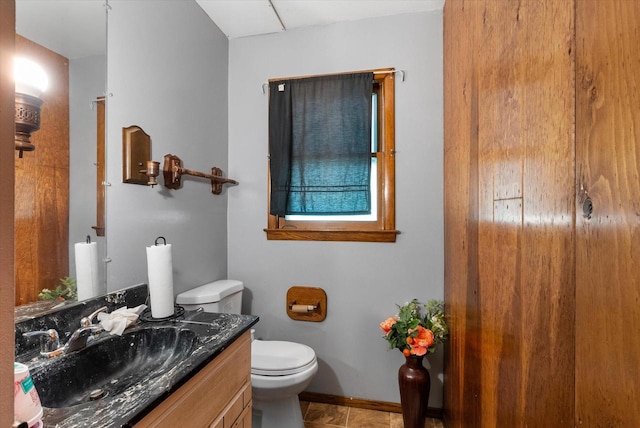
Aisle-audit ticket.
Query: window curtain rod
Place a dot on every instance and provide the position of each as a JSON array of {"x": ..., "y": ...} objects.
[{"x": 265, "y": 85}]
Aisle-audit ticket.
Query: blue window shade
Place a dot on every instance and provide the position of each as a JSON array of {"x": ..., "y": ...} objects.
[{"x": 320, "y": 145}]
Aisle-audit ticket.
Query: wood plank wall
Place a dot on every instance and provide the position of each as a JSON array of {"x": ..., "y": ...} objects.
[
  {"x": 608, "y": 244},
  {"x": 462, "y": 363},
  {"x": 509, "y": 203},
  {"x": 42, "y": 185},
  {"x": 7, "y": 120}
]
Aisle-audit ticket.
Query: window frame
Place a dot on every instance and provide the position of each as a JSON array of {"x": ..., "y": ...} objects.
[{"x": 383, "y": 228}]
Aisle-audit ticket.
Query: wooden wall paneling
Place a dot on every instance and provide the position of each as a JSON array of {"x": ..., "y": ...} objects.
[
  {"x": 526, "y": 61},
  {"x": 42, "y": 184},
  {"x": 547, "y": 274},
  {"x": 500, "y": 244},
  {"x": 7, "y": 119},
  {"x": 511, "y": 72},
  {"x": 52, "y": 222},
  {"x": 500, "y": 212},
  {"x": 608, "y": 244},
  {"x": 462, "y": 368},
  {"x": 26, "y": 242}
]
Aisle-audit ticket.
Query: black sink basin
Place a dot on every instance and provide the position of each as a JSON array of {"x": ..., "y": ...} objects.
[{"x": 110, "y": 366}]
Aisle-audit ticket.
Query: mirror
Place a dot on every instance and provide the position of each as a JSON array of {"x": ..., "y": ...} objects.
[{"x": 54, "y": 186}]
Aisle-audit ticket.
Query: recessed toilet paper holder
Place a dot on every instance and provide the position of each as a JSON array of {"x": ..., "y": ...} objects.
[
  {"x": 296, "y": 307},
  {"x": 306, "y": 303}
]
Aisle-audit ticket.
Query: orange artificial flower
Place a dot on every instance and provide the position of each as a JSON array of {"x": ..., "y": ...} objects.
[
  {"x": 420, "y": 343},
  {"x": 387, "y": 324},
  {"x": 417, "y": 328}
]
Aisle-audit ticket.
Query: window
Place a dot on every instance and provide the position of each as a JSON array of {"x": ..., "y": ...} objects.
[{"x": 378, "y": 224}]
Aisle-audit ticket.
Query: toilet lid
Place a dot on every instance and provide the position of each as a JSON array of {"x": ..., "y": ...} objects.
[{"x": 277, "y": 358}]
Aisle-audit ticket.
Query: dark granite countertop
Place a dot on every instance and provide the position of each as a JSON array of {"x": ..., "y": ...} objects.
[{"x": 214, "y": 333}]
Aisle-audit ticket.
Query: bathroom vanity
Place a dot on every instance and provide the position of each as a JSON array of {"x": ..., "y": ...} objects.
[
  {"x": 218, "y": 396},
  {"x": 194, "y": 371}
]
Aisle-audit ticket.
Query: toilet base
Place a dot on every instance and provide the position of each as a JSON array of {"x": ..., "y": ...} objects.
[{"x": 283, "y": 413}]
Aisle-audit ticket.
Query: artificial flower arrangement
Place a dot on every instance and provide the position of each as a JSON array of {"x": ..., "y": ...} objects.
[
  {"x": 413, "y": 332},
  {"x": 66, "y": 290}
]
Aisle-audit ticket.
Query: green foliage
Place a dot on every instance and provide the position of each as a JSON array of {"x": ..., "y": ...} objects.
[
  {"x": 66, "y": 290},
  {"x": 434, "y": 320},
  {"x": 403, "y": 328}
]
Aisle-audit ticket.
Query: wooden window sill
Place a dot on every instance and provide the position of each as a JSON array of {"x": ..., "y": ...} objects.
[{"x": 332, "y": 235}]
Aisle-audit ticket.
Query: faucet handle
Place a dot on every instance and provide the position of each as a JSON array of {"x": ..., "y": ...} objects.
[
  {"x": 47, "y": 346},
  {"x": 87, "y": 321}
]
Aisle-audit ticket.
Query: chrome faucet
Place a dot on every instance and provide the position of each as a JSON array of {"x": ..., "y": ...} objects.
[
  {"x": 87, "y": 321},
  {"x": 84, "y": 334},
  {"x": 80, "y": 337},
  {"x": 50, "y": 342}
]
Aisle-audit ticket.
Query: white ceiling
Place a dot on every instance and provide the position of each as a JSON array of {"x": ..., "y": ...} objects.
[
  {"x": 77, "y": 28},
  {"x": 241, "y": 18},
  {"x": 72, "y": 28}
]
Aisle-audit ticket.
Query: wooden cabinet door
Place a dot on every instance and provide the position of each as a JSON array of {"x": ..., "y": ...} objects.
[{"x": 608, "y": 241}]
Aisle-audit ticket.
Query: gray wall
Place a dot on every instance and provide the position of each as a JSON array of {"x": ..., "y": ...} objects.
[
  {"x": 167, "y": 73},
  {"x": 363, "y": 281},
  {"x": 87, "y": 77}
]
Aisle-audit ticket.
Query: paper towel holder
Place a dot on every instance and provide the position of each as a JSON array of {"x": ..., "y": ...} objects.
[{"x": 313, "y": 298}]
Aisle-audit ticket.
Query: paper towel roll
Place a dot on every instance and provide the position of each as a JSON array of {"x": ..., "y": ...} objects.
[
  {"x": 87, "y": 278},
  {"x": 160, "y": 272}
]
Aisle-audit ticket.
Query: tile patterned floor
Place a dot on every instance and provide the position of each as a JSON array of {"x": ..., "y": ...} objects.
[{"x": 320, "y": 415}]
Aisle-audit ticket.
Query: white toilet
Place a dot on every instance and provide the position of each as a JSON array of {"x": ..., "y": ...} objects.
[{"x": 279, "y": 370}]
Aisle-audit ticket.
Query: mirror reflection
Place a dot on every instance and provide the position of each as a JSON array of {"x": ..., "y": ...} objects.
[{"x": 56, "y": 184}]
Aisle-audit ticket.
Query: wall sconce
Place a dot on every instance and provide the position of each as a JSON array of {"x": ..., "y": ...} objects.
[
  {"x": 152, "y": 171},
  {"x": 138, "y": 169},
  {"x": 30, "y": 81}
]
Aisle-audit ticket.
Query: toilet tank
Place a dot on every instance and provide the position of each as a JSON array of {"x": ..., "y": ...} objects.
[{"x": 223, "y": 296}]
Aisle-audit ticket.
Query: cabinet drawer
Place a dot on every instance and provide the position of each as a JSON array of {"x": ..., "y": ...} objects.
[
  {"x": 244, "y": 420},
  {"x": 235, "y": 413}
]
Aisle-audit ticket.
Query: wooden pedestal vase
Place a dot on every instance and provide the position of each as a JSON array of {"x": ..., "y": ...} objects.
[{"x": 415, "y": 383}]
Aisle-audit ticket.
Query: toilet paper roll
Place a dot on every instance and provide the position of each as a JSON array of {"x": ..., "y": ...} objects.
[
  {"x": 87, "y": 278},
  {"x": 302, "y": 308},
  {"x": 160, "y": 272}
]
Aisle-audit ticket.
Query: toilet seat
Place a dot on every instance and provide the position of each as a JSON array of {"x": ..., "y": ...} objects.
[{"x": 279, "y": 358}]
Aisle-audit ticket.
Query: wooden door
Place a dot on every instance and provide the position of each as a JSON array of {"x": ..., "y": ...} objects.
[{"x": 608, "y": 243}]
